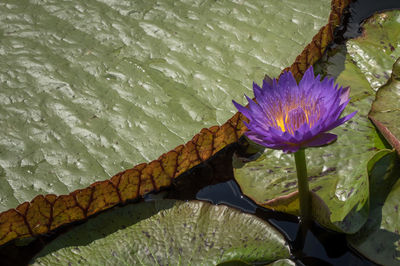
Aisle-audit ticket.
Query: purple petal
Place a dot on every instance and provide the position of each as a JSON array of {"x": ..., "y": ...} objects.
[
  {"x": 328, "y": 83},
  {"x": 275, "y": 87},
  {"x": 307, "y": 79},
  {"x": 254, "y": 137},
  {"x": 291, "y": 148},
  {"x": 287, "y": 81},
  {"x": 288, "y": 138},
  {"x": 259, "y": 94},
  {"x": 344, "y": 96},
  {"x": 340, "y": 121},
  {"x": 333, "y": 115},
  {"x": 321, "y": 139},
  {"x": 300, "y": 133},
  {"x": 257, "y": 113},
  {"x": 256, "y": 127},
  {"x": 255, "y": 109},
  {"x": 257, "y": 91},
  {"x": 245, "y": 111},
  {"x": 264, "y": 141},
  {"x": 267, "y": 83},
  {"x": 276, "y": 132}
]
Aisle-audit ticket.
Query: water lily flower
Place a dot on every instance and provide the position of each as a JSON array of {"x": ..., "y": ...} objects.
[{"x": 290, "y": 116}]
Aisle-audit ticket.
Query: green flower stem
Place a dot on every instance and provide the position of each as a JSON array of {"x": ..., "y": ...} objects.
[{"x": 302, "y": 183}]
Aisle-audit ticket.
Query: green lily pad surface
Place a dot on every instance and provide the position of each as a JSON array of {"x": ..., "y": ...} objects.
[
  {"x": 94, "y": 87},
  {"x": 167, "y": 233},
  {"x": 385, "y": 112},
  {"x": 376, "y": 50},
  {"x": 379, "y": 238},
  {"x": 338, "y": 173}
]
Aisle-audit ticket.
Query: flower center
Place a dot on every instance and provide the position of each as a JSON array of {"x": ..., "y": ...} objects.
[{"x": 293, "y": 119}]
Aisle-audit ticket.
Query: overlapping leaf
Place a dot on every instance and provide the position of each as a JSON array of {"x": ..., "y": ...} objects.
[
  {"x": 376, "y": 50},
  {"x": 174, "y": 233},
  {"x": 47, "y": 212},
  {"x": 382, "y": 33},
  {"x": 379, "y": 238},
  {"x": 338, "y": 172},
  {"x": 385, "y": 112}
]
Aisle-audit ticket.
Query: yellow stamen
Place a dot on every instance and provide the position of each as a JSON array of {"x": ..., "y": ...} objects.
[
  {"x": 282, "y": 118},
  {"x": 306, "y": 113},
  {"x": 280, "y": 124}
]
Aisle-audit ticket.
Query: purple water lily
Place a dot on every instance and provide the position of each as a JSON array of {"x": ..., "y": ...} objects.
[{"x": 289, "y": 116}]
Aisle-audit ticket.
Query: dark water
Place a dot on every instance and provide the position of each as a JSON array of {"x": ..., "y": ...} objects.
[
  {"x": 321, "y": 247},
  {"x": 213, "y": 181},
  {"x": 361, "y": 10}
]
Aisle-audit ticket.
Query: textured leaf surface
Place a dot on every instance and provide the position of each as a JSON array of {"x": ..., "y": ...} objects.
[
  {"x": 379, "y": 239},
  {"x": 93, "y": 88},
  {"x": 44, "y": 213},
  {"x": 338, "y": 173},
  {"x": 376, "y": 50},
  {"x": 385, "y": 112},
  {"x": 176, "y": 233},
  {"x": 382, "y": 32}
]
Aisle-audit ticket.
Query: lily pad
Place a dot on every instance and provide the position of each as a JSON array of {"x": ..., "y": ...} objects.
[
  {"x": 92, "y": 88},
  {"x": 385, "y": 111},
  {"x": 378, "y": 47},
  {"x": 379, "y": 238},
  {"x": 338, "y": 173},
  {"x": 167, "y": 233}
]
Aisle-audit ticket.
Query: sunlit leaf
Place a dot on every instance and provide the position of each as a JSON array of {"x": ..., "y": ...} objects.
[
  {"x": 385, "y": 112},
  {"x": 93, "y": 88},
  {"x": 382, "y": 32},
  {"x": 174, "y": 233},
  {"x": 378, "y": 47}
]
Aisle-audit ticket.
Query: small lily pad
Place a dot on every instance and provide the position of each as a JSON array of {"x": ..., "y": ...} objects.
[{"x": 167, "y": 233}]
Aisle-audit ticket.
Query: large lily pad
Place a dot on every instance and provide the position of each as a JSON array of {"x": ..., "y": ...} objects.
[
  {"x": 338, "y": 173},
  {"x": 91, "y": 88},
  {"x": 181, "y": 233}
]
